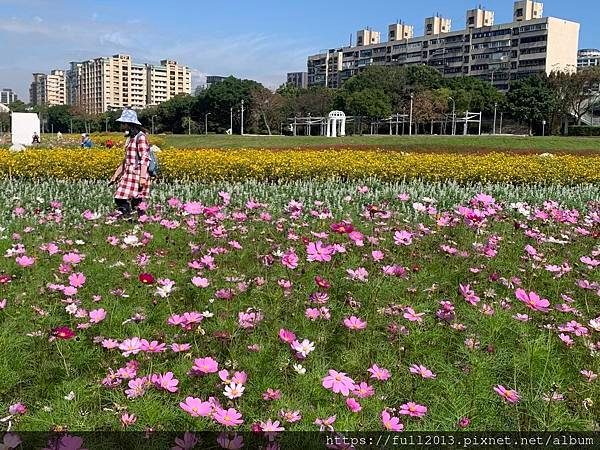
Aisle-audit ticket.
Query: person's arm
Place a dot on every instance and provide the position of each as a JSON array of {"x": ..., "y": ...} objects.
[{"x": 143, "y": 149}]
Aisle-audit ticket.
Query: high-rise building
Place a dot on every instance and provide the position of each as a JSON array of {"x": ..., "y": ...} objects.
[
  {"x": 213, "y": 79},
  {"x": 115, "y": 82},
  {"x": 7, "y": 96},
  {"x": 49, "y": 89},
  {"x": 499, "y": 53},
  {"x": 298, "y": 79},
  {"x": 588, "y": 57}
]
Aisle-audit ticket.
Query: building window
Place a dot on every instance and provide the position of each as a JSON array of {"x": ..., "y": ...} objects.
[{"x": 519, "y": 12}]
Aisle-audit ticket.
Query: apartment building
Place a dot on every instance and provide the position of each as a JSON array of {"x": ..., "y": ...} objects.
[
  {"x": 298, "y": 79},
  {"x": 588, "y": 57},
  {"x": 501, "y": 53},
  {"x": 115, "y": 82},
  {"x": 48, "y": 89},
  {"x": 7, "y": 96}
]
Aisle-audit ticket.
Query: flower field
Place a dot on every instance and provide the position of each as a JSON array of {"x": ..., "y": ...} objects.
[
  {"x": 264, "y": 164},
  {"x": 306, "y": 305}
]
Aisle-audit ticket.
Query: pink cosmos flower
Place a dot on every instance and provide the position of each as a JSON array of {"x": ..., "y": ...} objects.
[
  {"x": 72, "y": 258},
  {"x": 77, "y": 279},
  {"x": 391, "y": 423},
  {"x": 271, "y": 429},
  {"x": 403, "y": 237},
  {"x": 532, "y": 300},
  {"x": 137, "y": 387},
  {"x": 128, "y": 419},
  {"x": 167, "y": 382},
  {"x": 193, "y": 208},
  {"x": 290, "y": 260},
  {"x": 338, "y": 382},
  {"x": 354, "y": 323},
  {"x": 200, "y": 282},
  {"x": 318, "y": 252},
  {"x": 363, "y": 390},
  {"x": 286, "y": 336},
  {"x": 377, "y": 255},
  {"x": 290, "y": 416},
  {"x": 25, "y": 261},
  {"x": 179, "y": 348},
  {"x": 422, "y": 370},
  {"x": 379, "y": 373},
  {"x": 17, "y": 408},
  {"x": 203, "y": 366},
  {"x": 152, "y": 347},
  {"x": 196, "y": 407},
  {"x": 413, "y": 409},
  {"x": 271, "y": 394},
  {"x": 359, "y": 274},
  {"x": 412, "y": 316},
  {"x": 312, "y": 313},
  {"x": 589, "y": 374},
  {"x": 228, "y": 417},
  {"x": 130, "y": 346},
  {"x": 508, "y": 395},
  {"x": 353, "y": 405},
  {"x": 566, "y": 339},
  {"x": 325, "y": 424},
  {"x": 97, "y": 315}
]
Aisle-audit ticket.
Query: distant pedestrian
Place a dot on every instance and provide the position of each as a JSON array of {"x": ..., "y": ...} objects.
[
  {"x": 86, "y": 141},
  {"x": 35, "y": 139},
  {"x": 110, "y": 144},
  {"x": 59, "y": 136},
  {"x": 132, "y": 178}
]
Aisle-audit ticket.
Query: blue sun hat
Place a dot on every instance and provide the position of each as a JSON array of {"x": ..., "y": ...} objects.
[{"x": 129, "y": 116}]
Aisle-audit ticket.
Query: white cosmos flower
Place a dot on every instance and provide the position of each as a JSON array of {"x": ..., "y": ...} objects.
[
  {"x": 234, "y": 391},
  {"x": 304, "y": 347},
  {"x": 131, "y": 239},
  {"x": 595, "y": 324},
  {"x": 71, "y": 309},
  {"x": 299, "y": 368}
]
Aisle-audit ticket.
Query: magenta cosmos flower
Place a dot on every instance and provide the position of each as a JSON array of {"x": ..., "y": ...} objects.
[
  {"x": 379, "y": 373},
  {"x": 391, "y": 423},
  {"x": 421, "y": 370},
  {"x": 318, "y": 252},
  {"x": 354, "y": 323},
  {"x": 353, "y": 405},
  {"x": 196, "y": 407},
  {"x": 64, "y": 333},
  {"x": 532, "y": 300},
  {"x": 228, "y": 417},
  {"x": 509, "y": 395},
  {"x": 413, "y": 409},
  {"x": 146, "y": 278},
  {"x": 203, "y": 366},
  {"x": 338, "y": 382}
]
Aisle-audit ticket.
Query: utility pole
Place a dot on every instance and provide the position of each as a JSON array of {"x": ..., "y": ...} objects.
[
  {"x": 206, "y": 123},
  {"x": 242, "y": 124},
  {"x": 453, "y": 115},
  {"x": 411, "y": 115}
]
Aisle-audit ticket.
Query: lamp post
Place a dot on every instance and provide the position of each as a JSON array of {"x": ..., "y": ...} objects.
[
  {"x": 206, "y": 123},
  {"x": 495, "y": 115},
  {"x": 231, "y": 119},
  {"x": 106, "y": 124},
  {"x": 453, "y": 114},
  {"x": 242, "y": 119},
  {"x": 411, "y": 115},
  {"x": 153, "y": 130}
]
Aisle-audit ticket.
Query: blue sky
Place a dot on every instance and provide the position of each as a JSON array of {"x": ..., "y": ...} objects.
[{"x": 258, "y": 39}]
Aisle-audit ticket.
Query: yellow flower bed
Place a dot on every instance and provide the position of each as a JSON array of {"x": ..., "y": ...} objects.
[{"x": 205, "y": 164}]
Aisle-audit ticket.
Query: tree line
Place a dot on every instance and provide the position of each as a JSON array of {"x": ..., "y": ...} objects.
[{"x": 551, "y": 101}]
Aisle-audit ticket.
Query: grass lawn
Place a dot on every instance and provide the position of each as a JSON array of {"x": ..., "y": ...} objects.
[
  {"x": 426, "y": 143},
  {"x": 430, "y": 310}
]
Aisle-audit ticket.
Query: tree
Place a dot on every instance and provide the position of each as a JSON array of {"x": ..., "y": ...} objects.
[
  {"x": 392, "y": 81},
  {"x": 473, "y": 94},
  {"x": 171, "y": 113},
  {"x": 221, "y": 97},
  {"x": 530, "y": 100},
  {"x": 370, "y": 103},
  {"x": 59, "y": 118},
  {"x": 269, "y": 106},
  {"x": 421, "y": 77},
  {"x": 18, "y": 106},
  {"x": 429, "y": 105},
  {"x": 576, "y": 93}
]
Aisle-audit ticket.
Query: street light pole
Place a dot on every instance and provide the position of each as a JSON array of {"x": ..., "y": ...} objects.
[
  {"x": 495, "y": 115},
  {"x": 153, "y": 130},
  {"x": 453, "y": 114},
  {"x": 411, "y": 115},
  {"x": 206, "y": 123},
  {"x": 106, "y": 124},
  {"x": 231, "y": 119},
  {"x": 242, "y": 124}
]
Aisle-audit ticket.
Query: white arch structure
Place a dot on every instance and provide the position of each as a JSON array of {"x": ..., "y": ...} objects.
[{"x": 336, "y": 124}]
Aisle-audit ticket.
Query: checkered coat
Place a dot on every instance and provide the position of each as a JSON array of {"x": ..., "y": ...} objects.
[{"x": 137, "y": 153}]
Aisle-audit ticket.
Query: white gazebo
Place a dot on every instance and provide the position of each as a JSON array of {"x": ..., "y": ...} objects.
[{"x": 336, "y": 124}]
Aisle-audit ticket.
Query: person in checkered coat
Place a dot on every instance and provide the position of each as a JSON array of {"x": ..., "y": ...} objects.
[{"x": 131, "y": 177}]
